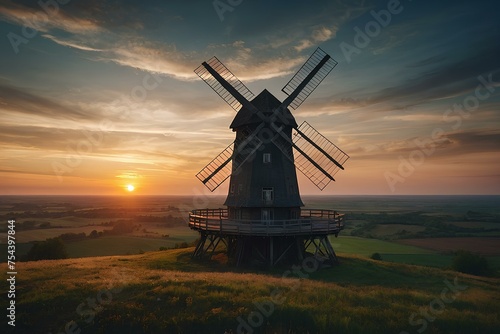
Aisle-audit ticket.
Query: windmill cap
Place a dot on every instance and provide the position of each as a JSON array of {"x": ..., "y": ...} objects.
[{"x": 266, "y": 103}]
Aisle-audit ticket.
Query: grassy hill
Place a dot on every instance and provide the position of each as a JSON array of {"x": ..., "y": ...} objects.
[{"x": 166, "y": 292}]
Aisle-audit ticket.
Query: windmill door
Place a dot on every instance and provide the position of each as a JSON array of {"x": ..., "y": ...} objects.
[{"x": 267, "y": 215}]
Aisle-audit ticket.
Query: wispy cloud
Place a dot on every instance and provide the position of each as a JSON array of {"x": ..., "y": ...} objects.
[
  {"x": 153, "y": 58},
  {"x": 318, "y": 35},
  {"x": 38, "y": 19},
  {"x": 451, "y": 80},
  {"x": 116, "y": 41},
  {"x": 21, "y": 101},
  {"x": 70, "y": 43}
]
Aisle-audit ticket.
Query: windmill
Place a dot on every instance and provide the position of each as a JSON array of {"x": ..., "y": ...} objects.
[{"x": 263, "y": 221}]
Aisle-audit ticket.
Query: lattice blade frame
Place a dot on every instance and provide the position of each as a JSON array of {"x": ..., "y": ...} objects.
[
  {"x": 248, "y": 148},
  {"x": 219, "y": 88},
  {"x": 218, "y": 170},
  {"x": 314, "y": 70},
  {"x": 323, "y": 152}
]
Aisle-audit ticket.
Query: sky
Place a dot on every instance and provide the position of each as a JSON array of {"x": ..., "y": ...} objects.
[{"x": 96, "y": 95}]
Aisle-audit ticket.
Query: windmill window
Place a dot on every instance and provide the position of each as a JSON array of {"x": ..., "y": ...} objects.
[
  {"x": 240, "y": 188},
  {"x": 266, "y": 158},
  {"x": 267, "y": 194},
  {"x": 232, "y": 189}
]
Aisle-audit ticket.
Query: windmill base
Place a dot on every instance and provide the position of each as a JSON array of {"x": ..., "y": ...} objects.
[{"x": 269, "y": 251}]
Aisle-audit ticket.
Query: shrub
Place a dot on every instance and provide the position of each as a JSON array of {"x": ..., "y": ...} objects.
[
  {"x": 45, "y": 225},
  {"x": 376, "y": 256},
  {"x": 470, "y": 263},
  {"x": 50, "y": 249},
  {"x": 72, "y": 236}
]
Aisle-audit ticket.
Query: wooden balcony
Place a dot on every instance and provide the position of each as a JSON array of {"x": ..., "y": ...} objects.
[{"x": 311, "y": 222}]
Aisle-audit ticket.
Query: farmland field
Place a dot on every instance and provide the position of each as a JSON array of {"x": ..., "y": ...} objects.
[
  {"x": 484, "y": 245},
  {"x": 121, "y": 245},
  {"x": 400, "y": 228}
]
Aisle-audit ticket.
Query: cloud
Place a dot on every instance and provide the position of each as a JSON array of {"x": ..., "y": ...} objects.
[
  {"x": 474, "y": 141},
  {"x": 249, "y": 65},
  {"x": 449, "y": 144},
  {"x": 108, "y": 145},
  {"x": 451, "y": 80},
  {"x": 156, "y": 58},
  {"x": 69, "y": 43},
  {"x": 318, "y": 35},
  {"x": 45, "y": 20},
  {"x": 20, "y": 101},
  {"x": 432, "y": 60},
  {"x": 115, "y": 35}
]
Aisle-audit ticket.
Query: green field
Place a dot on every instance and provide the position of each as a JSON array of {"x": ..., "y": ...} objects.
[
  {"x": 122, "y": 245},
  {"x": 366, "y": 247},
  {"x": 395, "y": 252},
  {"x": 130, "y": 244}
]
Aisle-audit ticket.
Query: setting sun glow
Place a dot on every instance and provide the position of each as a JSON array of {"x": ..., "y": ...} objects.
[{"x": 130, "y": 187}]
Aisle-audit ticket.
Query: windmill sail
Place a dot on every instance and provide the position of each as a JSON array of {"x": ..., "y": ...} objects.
[
  {"x": 219, "y": 169},
  {"x": 224, "y": 83},
  {"x": 317, "y": 157},
  {"x": 309, "y": 76}
]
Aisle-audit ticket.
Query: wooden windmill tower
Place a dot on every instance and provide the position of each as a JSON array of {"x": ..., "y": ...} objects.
[{"x": 264, "y": 221}]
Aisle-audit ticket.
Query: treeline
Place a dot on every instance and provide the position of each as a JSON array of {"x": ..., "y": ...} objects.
[
  {"x": 55, "y": 248},
  {"x": 34, "y": 224},
  {"x": 50, "y": 249},
  {"x": 119, "y": 228},
  {"x": 130, "y": 213},
  {"x": 165, "y": 221}
]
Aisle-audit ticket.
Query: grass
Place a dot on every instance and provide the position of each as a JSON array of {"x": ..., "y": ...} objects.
[
  {"x": 167, "y": 292},
  {"x": 125, "y": 245}
]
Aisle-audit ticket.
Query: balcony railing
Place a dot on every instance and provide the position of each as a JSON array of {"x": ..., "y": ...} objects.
[{"x": 310, "y": 222}]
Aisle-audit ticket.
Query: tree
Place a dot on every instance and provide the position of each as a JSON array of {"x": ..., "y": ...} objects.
[
  {"x": 50, "y": 249},
  {"x": 470, "y": 263}
]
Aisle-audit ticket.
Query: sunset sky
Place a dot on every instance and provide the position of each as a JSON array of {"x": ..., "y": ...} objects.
[{"x": 97, "y": 95}]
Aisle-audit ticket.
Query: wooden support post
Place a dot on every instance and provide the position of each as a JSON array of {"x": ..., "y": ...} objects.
[
  {"x": 300, "y": 248},
  {"x": 271, "y": 251}
]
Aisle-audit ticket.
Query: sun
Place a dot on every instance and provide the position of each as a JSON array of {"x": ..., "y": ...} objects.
[{"x": 130, "y": 187}]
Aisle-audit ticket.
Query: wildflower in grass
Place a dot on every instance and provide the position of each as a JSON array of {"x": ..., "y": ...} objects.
[{"x": 216, "y": 310}]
